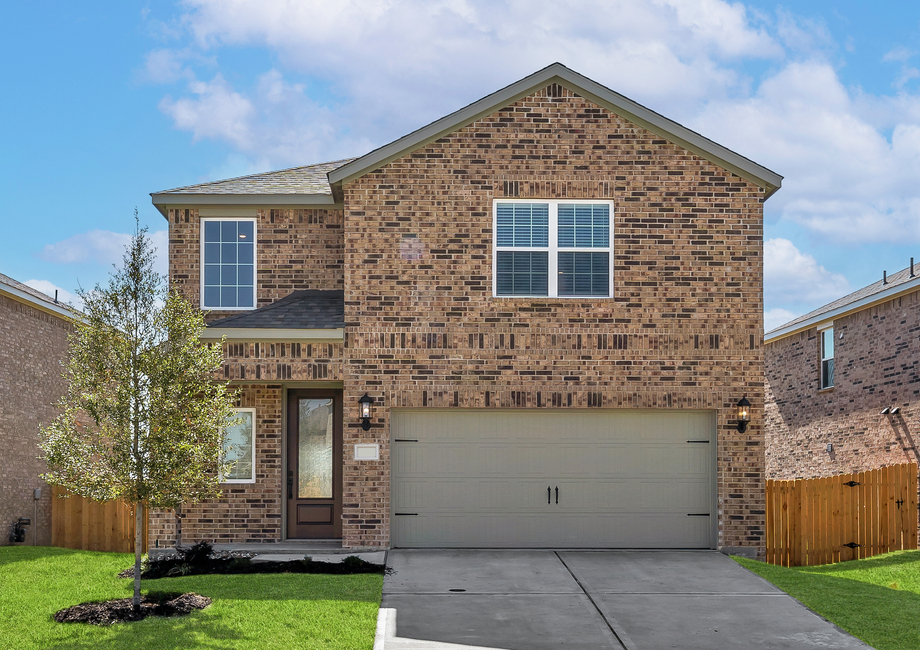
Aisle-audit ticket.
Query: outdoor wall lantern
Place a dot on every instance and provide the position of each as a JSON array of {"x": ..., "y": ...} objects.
[
  {"x": 886, "y": 410},
  {"x": 365, "y": 403},
  {"x": 830, "y": 447},
  {"x": 744, "y": 414}
]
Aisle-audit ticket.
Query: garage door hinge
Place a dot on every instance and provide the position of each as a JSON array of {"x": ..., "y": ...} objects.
[
  {"x": 406, "y": 514},
  {"x": 697, "y": 514}
]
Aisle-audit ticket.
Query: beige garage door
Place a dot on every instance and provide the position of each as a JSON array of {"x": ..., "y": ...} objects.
[{"x": 573, "y": 479}]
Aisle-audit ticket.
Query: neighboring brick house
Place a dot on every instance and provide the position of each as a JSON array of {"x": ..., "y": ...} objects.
[
  {"x": 843, "y": 383},
  {"x": 552, "y": 300},
  {"x": 33, "y": 343}
]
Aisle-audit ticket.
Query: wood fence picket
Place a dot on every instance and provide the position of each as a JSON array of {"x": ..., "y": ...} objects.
[
  {"x": 839, "y": 518},
  {"x": 88, "y": 525}
]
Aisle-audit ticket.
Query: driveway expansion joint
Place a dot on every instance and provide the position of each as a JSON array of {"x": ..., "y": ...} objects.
[{"x": 609, "y": 619}]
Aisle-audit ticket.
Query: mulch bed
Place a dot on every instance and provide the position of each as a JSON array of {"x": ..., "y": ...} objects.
[
  {"x": 122, "y": 610},
  {"x": 201, "y": 559}
]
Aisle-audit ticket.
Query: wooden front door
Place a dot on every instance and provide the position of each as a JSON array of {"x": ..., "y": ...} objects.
[{"x": 314, "y": 467}]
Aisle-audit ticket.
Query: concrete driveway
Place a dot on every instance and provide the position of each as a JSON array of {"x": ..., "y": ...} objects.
[{"x": 638, "y": 600}]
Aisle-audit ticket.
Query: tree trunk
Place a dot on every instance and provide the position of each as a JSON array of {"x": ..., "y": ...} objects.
[
  {"x": 138, "y": 549},
  {"x": 178, "y": 528}
]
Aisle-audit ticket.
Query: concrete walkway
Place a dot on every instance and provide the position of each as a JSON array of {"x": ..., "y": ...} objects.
[{"x": 589, "y": 600}]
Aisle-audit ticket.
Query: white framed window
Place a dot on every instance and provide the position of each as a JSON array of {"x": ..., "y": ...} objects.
[
  {"x": 552, "y": 248},
  {"x": 228, "y": 264},
  {"x": 240, "y": 447},
  {"x": 826, "y": 337}
]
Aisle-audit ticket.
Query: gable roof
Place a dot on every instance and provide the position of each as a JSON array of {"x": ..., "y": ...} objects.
[
  {"x": 904, "y": 281},
  {"x": 601, "y": 95},
  {"x": 24, "y": 293},
  {"x": 320, "y": 184},
  {"x": 297, "y": 185},
  {"x": 304, "y": 314}
]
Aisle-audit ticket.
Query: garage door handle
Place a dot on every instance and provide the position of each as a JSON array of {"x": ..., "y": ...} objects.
[
  {"x": 557, "y": 495},
  {"x": 549, "y": 495}
]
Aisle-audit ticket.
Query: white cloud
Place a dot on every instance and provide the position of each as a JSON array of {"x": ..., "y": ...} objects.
[
  {"x": 165, "y": 66},
  {"x": 217, "y": 112},
  {"x": 773, "y": 318},
  {"x": 384, "y": 69},
  {"x": 844, "y": 180},
  {"x": 792, "y": 277},
  {"x": 48, "y": 288},
  {"x": 103, "y": 247}
]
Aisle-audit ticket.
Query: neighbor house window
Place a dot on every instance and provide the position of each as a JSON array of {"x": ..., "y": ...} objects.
[
  {"x": 228, "y": 260},
  {"x": 552, "y": 248},
  {"x": 240, "y": 447},
  {"x": 827, "y": 357}
]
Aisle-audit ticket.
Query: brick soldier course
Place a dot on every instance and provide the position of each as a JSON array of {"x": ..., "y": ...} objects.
[
  {"x": 876, "y": 367},
  {"x": 33, "y": 343},
  {"x": 408, "y": 235}
]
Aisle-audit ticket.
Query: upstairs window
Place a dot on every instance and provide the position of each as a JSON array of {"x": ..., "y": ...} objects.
[
  {"x": 228, "y": 255},
  {"x": 827, "y": 357},
  {"x": 552, "y": 248}
]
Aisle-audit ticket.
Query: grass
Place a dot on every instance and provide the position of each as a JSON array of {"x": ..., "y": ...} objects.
[
  {"x": 876, "y": 599},
  {"x": 289, "y": 611}
]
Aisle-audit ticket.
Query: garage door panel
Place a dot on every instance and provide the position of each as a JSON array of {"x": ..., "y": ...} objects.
[
  {"x": 627, "y": 479},
  {"x": 635, "y": 496}
]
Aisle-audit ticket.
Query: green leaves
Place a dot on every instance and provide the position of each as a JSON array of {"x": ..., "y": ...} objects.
[{"x": 143, "y": 415}]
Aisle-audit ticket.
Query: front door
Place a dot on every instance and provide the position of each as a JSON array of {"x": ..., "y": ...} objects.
[{"x": 314, "y": 468}]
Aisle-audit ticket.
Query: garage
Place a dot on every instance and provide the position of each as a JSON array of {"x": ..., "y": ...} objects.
[{"x": 553, "y": 478}]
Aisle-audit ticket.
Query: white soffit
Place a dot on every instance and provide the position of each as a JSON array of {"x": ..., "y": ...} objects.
[{"x": 275, "y": 335}]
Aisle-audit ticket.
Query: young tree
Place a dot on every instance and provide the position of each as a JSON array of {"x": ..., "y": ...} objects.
[{"x": 142, "y": 419}]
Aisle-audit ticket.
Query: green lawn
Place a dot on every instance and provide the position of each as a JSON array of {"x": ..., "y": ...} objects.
[
  {"x": 287, "y": 611},
  {"x": 876, "y": 600}
]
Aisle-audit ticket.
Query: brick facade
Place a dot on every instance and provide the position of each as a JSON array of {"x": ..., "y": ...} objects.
[
  {"x": 683, "y": 328},
  {"x": 33, "y": 344},
  {"x": 296, "y": 249},
  {"x": 876, "y": 365},
  {"x": 247, "y": 512},
  {"x": 681, "y": 331}
]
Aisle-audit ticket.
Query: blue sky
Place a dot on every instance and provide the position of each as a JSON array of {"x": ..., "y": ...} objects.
[{"x": 107, "y": 102}]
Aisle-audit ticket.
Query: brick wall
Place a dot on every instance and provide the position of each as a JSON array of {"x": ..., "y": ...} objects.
[
  {"x": 32, "y": 345},
  {"x": 247, "y": 512},
  {"x": 683, "y": 329},
  {"x": 876, "y": 364},
  {"x": 295, "y": 249}
]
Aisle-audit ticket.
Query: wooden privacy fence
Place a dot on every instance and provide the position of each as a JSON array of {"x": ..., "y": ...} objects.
[
  {"x": 846, "y": 517},
  {"x": 88, "y": 525}
]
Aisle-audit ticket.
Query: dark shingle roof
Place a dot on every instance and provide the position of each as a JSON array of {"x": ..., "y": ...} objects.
[
  {"x": 15, "y": 284},
  {"x": 894, "y": 280},
  {"x": 310, "y": 179},
  {"x": 306, "y": 309}
]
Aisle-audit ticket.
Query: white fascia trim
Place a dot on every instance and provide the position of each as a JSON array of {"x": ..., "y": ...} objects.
[
  {"x": 165, "y": 201},
  {"x": 829, "y": 316},
  {"x": 58, "y": 309},
  {"x": 265, "y": 334}
]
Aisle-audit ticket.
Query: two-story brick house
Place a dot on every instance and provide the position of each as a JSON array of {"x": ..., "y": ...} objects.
[
  {"x": 33, "y": 343},
  {"x": 843, "y": 383},
  {"x": 552, "y": 301}
]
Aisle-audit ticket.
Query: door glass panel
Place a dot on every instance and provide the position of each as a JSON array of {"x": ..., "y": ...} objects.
[{"x": 314, "y": 449}]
